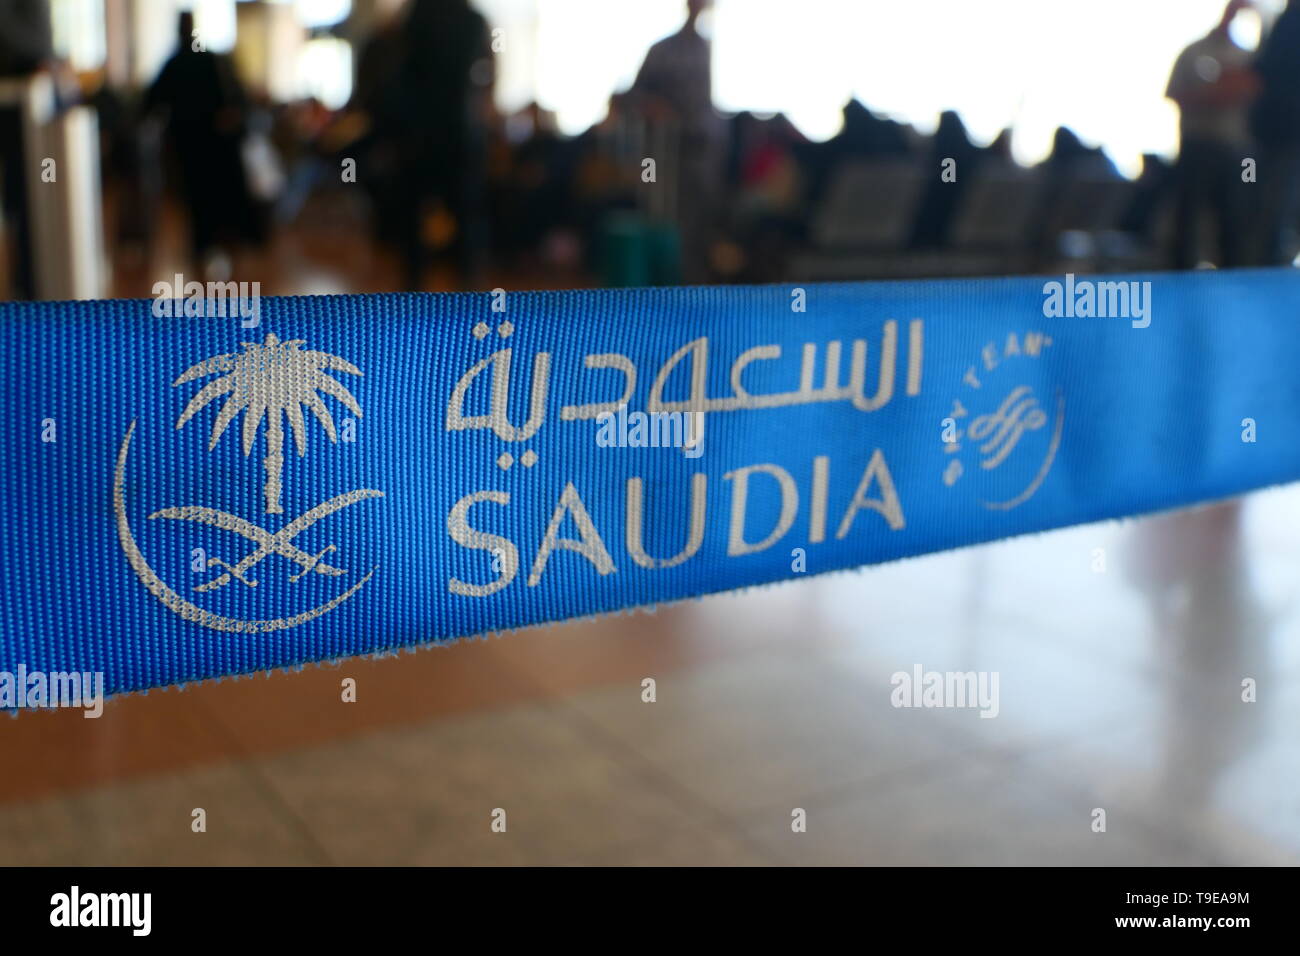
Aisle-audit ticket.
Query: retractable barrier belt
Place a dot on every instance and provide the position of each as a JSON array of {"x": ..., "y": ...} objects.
[{"x": 196, "y": 487}]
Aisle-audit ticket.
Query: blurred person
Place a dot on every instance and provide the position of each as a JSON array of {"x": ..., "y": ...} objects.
[
  {"x": 206, "y": 122},
  {"x": 866, "y": 135},
  {"x": 765, "y": 220},
  {"x": 862, "y": 135},
  {"x": 766, "y": 171},
  {"x": 675, "y": 86},
  {"x": 434, "y": 108},
  {"x": 307, "y": 135},
  {"x": 941, "y": 198},
  {"x": 605, "y": 177},
  {"x": 378, "y": 59},
  {"x": 368, "y": 137},
  {"x": 25, "y": 49},
  {"x": 1212, "y": 84},
  {"x": 537, "y": 186},
  {"x": 1000, "y": 150},
  {"x": 1275, "y": 121},
  {"x": 1152, "y": 189},
  {"x": 1071, "y": 158},
  {"x": 1070, "y": 166}
]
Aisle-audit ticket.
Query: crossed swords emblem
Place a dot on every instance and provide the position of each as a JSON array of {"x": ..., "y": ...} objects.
[{"x": 268, "y": 543}]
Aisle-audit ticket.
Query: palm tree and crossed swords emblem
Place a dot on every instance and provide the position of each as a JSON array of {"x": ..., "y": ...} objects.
[
  {"x": 272, "y": 383},
  {"x": 275, "y": 381}
]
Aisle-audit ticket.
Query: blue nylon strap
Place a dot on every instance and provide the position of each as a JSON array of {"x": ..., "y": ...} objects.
[{"x": 466, "y": 466}]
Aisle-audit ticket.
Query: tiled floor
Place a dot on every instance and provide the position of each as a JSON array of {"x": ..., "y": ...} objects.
[{"x": 1119, "y": 690}]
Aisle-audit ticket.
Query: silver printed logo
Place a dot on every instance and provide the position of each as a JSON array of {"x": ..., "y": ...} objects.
[
  {"x": 1004, "y": 419},
  {"x": 271, "y": 383}
]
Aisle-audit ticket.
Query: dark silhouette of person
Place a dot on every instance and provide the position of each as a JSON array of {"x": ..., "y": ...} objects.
[
  {"x": 206, "y": 112},
  {"x": 1212, "y": 83},
  {"x": 1071, "y": 162},
  {"x": 863, "y": 136},
  {"x": 675, "y": 85},
  {"x": 1151, "y": 190},
  {"x": 1275, "y": 121},
  {"x": 25, "y": 48},
  {"x": 1072, "y": 158},
  {"x": 433, "y": 108},
  {"x": 866, "y": 135},
  {"x": 375, "y": 145},
  {"x": 1000, "y": 151},
  {"x": 537, "y": 192},
  {"x": 943, "y": 194}
]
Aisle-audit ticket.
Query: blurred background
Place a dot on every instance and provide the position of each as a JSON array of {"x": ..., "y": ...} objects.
[
  {"x": 329, "y": 146},
  {"x": 368, "y": 145}
]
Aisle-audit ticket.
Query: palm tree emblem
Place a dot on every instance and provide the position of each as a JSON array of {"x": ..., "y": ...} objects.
[{"x": 274, "y": 380}]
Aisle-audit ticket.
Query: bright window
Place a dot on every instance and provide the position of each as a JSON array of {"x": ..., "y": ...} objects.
[
  {"x": 322, "y": 13},
  {"x": 325, "y": 71},
  {"x": 77, "y": 31},
  {"x": 1098, "y": 66},
  {"x": 214, "y": 21}
]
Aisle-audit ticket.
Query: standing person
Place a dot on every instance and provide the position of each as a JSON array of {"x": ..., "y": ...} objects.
[
  {"x": 434, "y": 110},
  {"x": 206, "y": 112},
  {"x": 941, "y": 199},
  {"x": 1213, "y": 84},
  {"x": 676, "y": 82},
  {"x": 1275, "y": 122},
  {"x": 25, "y": 49},
  {"x": 376, "y": 148}
]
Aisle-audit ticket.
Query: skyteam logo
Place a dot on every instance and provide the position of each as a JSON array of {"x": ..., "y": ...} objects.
[
  {"x": 226, "y": 554},
  {"x": 1004, "y": 431}
]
